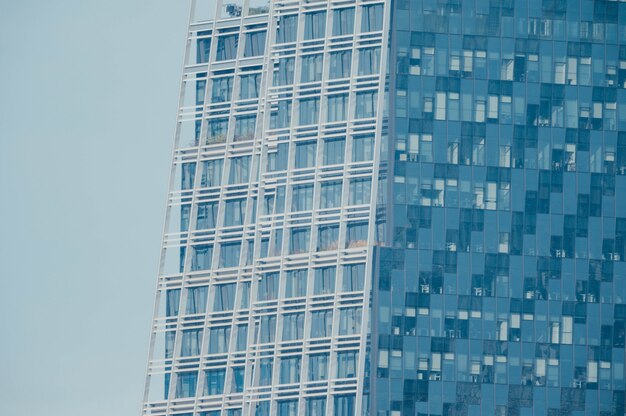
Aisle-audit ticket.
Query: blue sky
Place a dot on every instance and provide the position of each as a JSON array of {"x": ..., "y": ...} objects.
[{"x": 88, "y": 97}]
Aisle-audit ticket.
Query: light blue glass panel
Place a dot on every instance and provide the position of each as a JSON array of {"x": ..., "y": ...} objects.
[
  {"x": 318, "y": 367},
  {"x": 290, "y": 370},
  {"x": 214, "y": 383},
  {"x": 227, "y": 47},
  {"x": 324, "y": 280},
  {"x": 197, "y": 299},
  {"x": 186, "y": 384},
  {"x": 255, "y": 44},
  {"x": 343, "y": 21},
  {"x": 314, "y": 25}
]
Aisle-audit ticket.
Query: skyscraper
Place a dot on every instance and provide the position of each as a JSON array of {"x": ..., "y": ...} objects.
[{"x": 410, "y": 207}]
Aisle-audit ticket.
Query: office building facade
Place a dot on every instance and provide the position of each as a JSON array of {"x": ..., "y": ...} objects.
[{"x": 396, "y": 208}]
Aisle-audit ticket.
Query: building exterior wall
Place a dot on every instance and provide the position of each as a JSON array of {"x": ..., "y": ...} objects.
[{"x": 395, "y": 208}]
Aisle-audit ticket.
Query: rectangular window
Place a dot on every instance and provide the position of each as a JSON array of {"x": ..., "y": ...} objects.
[
  {"x": 207, "y": 213},
  {"x": 350, "y": 321},
  {"x": 321, "y": 324},
  {"x": 302, "y": 198},
  {"x": 249, "y": 86},
  {"x": 280, "y": 116},
  {"x": 238, "y": 379},
  {"x": 203, "y": 48},
  {"x": 337, "y": 107},
  {"x": 330, "y": 195},
  {"x": 343, "y": 21},
  {"x": 318, "y": 367},
  {"x": 369, "y": 61},
  {"x": 211, "y": 173},
  {"x": 366, "y": 104},
  {"x": 255, "y": 44},
  {"x": 287, "y": 29},
  {"x": 347, "y": 364},
  {"x": 239, "y": 170},
  {"x": 290, "y": 370},
  {"x": 353, "y": 277},
  {"x": 268, "y": 286},
  {"x": 283, "y": 72},
  {"x": 340, "y": 64},
  {"x": 191, "y": 342},
  {"x": 324, "y": 280},
  {"x": 227, "y": 47},
  {"x": 235, "y": 212},
  {"x": 356, "y": 235},
  {"x": 188, "y": 173},
  {"x": 218, "y": 340},
  {"x": 328, "y": 237},
  {"x": 244, "y": 128},
  {"x": 309, "y": 110},
  {"x": 265, "y": 371},
  {"x": 186, "y": 384},
  {"x": 362, "y": 148},
  {"x": 345, "y": 405},
  {"x": 278, "y": 159},
  {"x": 242, "y": 338},
  {"x": 372, "y": 18},
  {"x": 314, "y": 25},
  {"x": 295, "y": 286},
  {"x": 229, "y": 254},
  {"x": 287, "y": 407},
  {"x": 224, "y": 297},
  {"x": 222, "y": 89},
  {"x": 312, "y": 68},
  {"x": 293, "y": 326},
  {"x": 299, "y": 241},
  {"x": 218, "y": 128},
  {"x": 196, "y": 300},
  {"x": 201, "y": 258},
  {"x": 214, "y": 381},
  {"x": 268, "y": 329},
  {"x": 334, "y": 150},
  {"x": 305, "y": 154},
  {"x": 360, "y": 191}
]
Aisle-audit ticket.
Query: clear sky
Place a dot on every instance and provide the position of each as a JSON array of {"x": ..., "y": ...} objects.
[{"x": 88, "y": 98}]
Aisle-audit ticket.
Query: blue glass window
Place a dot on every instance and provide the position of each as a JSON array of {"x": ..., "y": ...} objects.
[
  {"x": 242, "y": 338},
  {"x": 366, "y": 104},
  {"x": 265, "y": 371},
  {"x": 207, "y": 214},
  {"x": 360, "y": 190},
  {"x": 196, "y": 300},
  {"x": 324, "y": 280},
  {"x": 318, "y": 367},
  {"x": 362, "y": 148},
  {"x": 312, "y": 68},
  {"x": 268, "y": 286},
  {"x": 328, "y": 237},
  {"x": 353, "y": 277},
  {"x": 201, "y": 258},
  {"x": 229, "y": 254},
  {"x": 290, "y": 370},
  {"x": 249, "y": 85},
  {"x": 224, "y": 298},
  {"x": 218, "y": 340},
  {"x": 344, "y": 405},
  {"x": 244, "y": 127},
  {"x": 287, "y": 407},
  {"x": 295, "y": 285},
  {"x": 238, "y": 379},
  {"x": 369, "y": 61},
  {"x": 305, "y": 154},
  {"x": 347, "y": 364},
  {"x": 330, "y": 194},
  {"x": 314, "y": 25},
  {"x": 188, "y": 175},
  {"x": 186, "y": 384},
  {"x": 343, "y": 21},
  {"x": 214, "y": 383},
  {"x": 218, "y": 129},
  {"x": 239, "y": 170},
  {"x": 172, "y": 302},
  {"x": 222, "y": 89},
  {"x": 350, "y": 321},
  {"x": 340, "y": 63},
  {"x": 191, "y": 342},
  {"x": 302, "y": 198},
  {"x": 255, "y": 44},
  {"x": 235, "y": 212},
  {"x": 356, "y": 235},
  {"x": 287, "y": 29},
  {"x": 212, "y": 173},
  {"x": 203, "y": 47},
  {"x": 337, "y": 107},
  {"x": 227, "y": 47},
  {"x": 283, "y": 72},
  {"x": 321, "y": 323},
  {"x": 309, "y": 110},
  {"x": 372, "y": 18},
  {"x": 334, "y": 150},
  {"x": 299, "y": 241},
  {"x": 293, "y": 326},
  {"x": 280, "y": 116}
]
